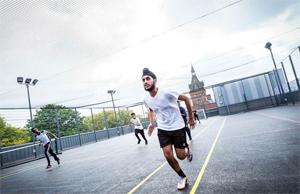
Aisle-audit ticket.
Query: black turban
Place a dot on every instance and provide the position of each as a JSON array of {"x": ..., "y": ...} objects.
[{"x": 146, "y": 71}]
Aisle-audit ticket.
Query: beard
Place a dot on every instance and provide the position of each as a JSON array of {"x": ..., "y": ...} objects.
[{"x": 151, "y": 88}]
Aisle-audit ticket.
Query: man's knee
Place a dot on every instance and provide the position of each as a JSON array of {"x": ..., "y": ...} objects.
[
  {"x": 168, "y": 153},
  {"x": 181, "y": 155}
]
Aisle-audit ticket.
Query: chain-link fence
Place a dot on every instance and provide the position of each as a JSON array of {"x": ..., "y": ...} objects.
[
  {"x": 272, "y": 88},
  {"x": 72, "y": 126}
]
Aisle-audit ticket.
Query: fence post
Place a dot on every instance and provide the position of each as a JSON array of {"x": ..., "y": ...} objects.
[
  {"x": 292, "y": 64},
  {"x": 288, "y": 84},
  {"x": 105, "y": 121},
  {"x": 244, "y": 95},
  {"x": 1, "y": 157},
  {"x": 119, "y": 121},
  {"x": 78, "y": 127},
  {"x": 57, "y": 118},
  {"x": 272, "y": 85},
  {"x": 93, "y": 123},
  {"x": 268, "y": 89},
  {"x": 225, "y": 101}
]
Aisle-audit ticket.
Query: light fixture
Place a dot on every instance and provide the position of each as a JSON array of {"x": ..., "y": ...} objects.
[
  {"x": 28, "y": 80},
  {"x": 20, "y": 80},
  {"x": 268, "y": 45},
  {"x": 34, "y": 81}
]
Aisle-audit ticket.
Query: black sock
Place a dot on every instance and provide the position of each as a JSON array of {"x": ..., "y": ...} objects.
[{"x": 181, "y": 173}]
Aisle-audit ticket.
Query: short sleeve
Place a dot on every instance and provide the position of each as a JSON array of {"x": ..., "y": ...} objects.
[
  {"x": 145, "y": 103},
  {"x": 173, "y": 95}
]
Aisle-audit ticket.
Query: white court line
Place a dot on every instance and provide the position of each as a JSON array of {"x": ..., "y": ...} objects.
[
  {"x": 279, "y": 118},
  {"x": 258, "y": 133},
  {"x": 23, "y": 170}
]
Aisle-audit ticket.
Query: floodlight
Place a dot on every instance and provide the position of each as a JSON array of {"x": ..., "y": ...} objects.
[
  {"x": 34, "y": 81},
  {"x": 28, "y": 80},
  {"x": 20, "y": 80}
]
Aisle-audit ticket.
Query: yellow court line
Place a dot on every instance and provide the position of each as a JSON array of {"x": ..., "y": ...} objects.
[
  {"x": 148, "y": 177},
  {"x": 207, "y": 160}
]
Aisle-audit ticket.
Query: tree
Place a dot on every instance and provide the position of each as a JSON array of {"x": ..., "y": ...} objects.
[
  {"x": 69, "y": 120},
  {"x": 11, "y": 135},
  {"x": 106, "y": 120}
]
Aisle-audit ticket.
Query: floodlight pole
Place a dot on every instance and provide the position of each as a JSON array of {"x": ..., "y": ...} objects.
[
  {"x": 276, "y": 75},
  {"x": 28, "y": 83},
  {"x": 29, "y": 102}
]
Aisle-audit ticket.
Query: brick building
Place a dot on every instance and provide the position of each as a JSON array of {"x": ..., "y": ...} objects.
[{"x": 200, "y": 99}]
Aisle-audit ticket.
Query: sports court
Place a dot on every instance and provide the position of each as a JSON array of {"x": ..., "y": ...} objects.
[{"x": 251, "y": 152}]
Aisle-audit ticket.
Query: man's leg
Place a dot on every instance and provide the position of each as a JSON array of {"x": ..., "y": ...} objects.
[
  {"x": 182, "y": 148},
  {"x": 46, "y": 154},
  {"x": 181, "y": 153},
  {"x": 53, "y": 154},
  {"x": 168, "y": 153},
  {"x": 136, "y": 134},
  {"x": 143, "y": 136},
  {"x": 188, "y": 131}
]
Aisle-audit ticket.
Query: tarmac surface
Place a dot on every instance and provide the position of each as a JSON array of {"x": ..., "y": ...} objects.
[{"x": 252, "y": 152}]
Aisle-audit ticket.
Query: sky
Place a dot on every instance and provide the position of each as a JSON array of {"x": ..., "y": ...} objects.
[{"x": 80, "y": 49}]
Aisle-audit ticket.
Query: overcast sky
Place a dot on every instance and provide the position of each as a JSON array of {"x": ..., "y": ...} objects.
[{"x": 80, "y": 49}]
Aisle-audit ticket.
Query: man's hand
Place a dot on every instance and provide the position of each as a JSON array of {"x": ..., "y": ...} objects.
[
  {"x": 150, "y": 129},
  {"x": 192, "y": 122}
]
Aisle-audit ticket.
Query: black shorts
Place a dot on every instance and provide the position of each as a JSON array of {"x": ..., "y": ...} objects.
[{"x": 176, "y": 138}]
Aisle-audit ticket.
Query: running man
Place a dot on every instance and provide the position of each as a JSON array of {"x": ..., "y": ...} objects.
[
  {"x": 184, "y": 116},
  {"x": 171, "y": 132},
  {"x": 138, "y": 128},
  {"x": 44, "y": 139},
  {"x": 196, "y": 116}
]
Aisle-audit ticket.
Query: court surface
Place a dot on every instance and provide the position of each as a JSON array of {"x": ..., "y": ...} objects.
[{"x": 252, "y": 152}]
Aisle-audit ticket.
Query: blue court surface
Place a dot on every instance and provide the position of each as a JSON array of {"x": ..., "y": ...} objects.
[{"x": 251, "y": 152}]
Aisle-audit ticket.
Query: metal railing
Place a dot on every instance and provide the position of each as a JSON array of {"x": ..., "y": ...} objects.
[{"x": 30, "y": 152}]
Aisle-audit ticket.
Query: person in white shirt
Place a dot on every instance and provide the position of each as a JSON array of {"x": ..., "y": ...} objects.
[
  {"x": 171, "y": 127},
  {"x": 138, "y": 128},
  {"x": 42, "y": 137}
]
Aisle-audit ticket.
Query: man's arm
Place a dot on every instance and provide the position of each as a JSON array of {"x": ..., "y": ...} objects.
[
  {"x": 189, "y": 108},
  {"x": 51, "y": 134},
  {"x": 152, "y": 120}
]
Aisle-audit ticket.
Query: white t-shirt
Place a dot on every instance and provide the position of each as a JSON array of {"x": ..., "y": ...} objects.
[
  {"x": 43, "y": 138},
  {"x": 165, "y": 106},
  {"x": 137, "y": 123}
]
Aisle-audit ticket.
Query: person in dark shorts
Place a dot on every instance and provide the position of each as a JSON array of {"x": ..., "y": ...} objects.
[
  {"x": 42, "y": 136},
  {"x": 184, "y": 116},
  {"x": 138, "y": 128},
  {"x": 171, "y": 133}
]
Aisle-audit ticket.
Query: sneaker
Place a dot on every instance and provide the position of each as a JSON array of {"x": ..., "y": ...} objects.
[
  {"x": 58, "y": 161},
  {"x": 49, "y": 166},
  {"x": 189, "y": 155},
  {"x": 146, "y": 142},
  {"x": 139, "y": 141},
  {"x": 182, "y": 183}
]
